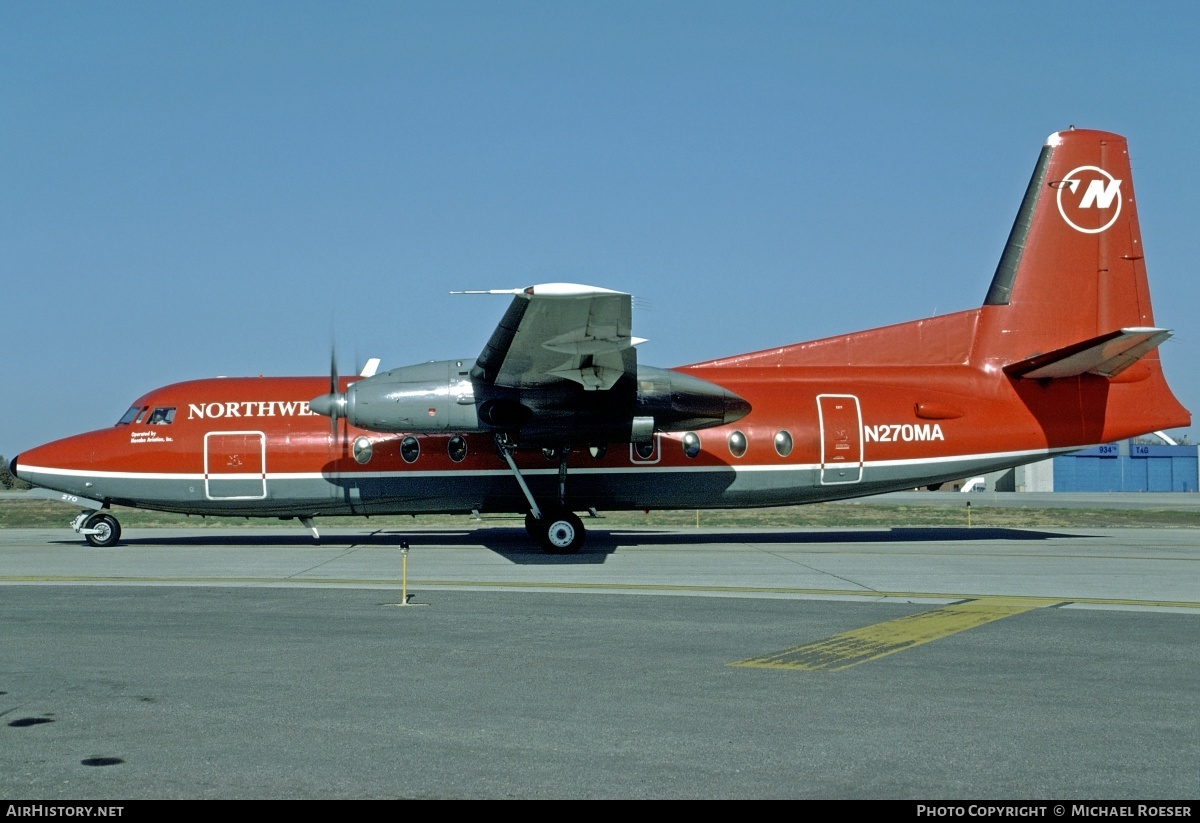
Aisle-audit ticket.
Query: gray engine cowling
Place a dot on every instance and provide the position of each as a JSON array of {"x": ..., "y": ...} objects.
[{"x": 440, "y": 397}]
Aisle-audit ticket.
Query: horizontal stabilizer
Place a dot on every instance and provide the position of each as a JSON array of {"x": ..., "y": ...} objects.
[{"x": 1107, "y": 355}]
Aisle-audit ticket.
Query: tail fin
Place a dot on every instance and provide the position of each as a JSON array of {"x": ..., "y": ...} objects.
[
  {"x": 1068, "y": 315},
  {"x": 1070, "y": 293}
]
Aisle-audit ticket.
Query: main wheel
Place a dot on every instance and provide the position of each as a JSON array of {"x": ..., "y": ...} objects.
[
  {"x": 562, "y": 533},
  {"x": 108, "y": 530}
]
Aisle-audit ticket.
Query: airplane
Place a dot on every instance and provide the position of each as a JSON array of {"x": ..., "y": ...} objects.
[{"x": 556, "y": 416}]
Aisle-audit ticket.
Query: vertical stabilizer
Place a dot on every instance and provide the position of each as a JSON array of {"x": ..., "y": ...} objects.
[
  {"x": 1073, "y": 267},
  {"x": 1067, "y": 318}
]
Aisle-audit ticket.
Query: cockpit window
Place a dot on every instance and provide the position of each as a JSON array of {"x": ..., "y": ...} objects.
[
  {"x": 161, "y": 416},
  {"x": 133, "y": 413}
]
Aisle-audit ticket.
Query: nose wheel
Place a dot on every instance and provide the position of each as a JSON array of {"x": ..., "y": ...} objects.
[{"x": 101, "y": 530}]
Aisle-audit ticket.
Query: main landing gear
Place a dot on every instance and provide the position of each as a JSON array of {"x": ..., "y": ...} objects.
[
  {"x": 559, "y": 530},
  {"x": 99, "y": 529}
]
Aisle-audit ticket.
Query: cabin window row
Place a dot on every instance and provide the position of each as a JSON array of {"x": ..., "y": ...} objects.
[
  {"x": 456, "y": 447},
  {"x": 738, "y": 443}
]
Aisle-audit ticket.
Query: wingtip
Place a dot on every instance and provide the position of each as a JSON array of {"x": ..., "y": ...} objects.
[
  {"x": 567, "y": 290},
  {"x": 547, "y": 290}
]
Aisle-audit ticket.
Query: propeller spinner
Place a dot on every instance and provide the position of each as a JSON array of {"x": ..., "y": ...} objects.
[{"x": 333, "y": 404}]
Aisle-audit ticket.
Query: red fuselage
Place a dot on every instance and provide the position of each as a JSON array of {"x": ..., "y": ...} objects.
[
  {"x": 814, "y": 432},
  {"x": 1062, "y": 355}
]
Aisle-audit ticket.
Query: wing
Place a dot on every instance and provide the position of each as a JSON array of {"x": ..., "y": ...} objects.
[
  {"x": 559, "y": 370},
  {"x": 560, "y": 332}
]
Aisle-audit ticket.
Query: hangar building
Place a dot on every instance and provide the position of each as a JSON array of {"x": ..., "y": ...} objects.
[{"x": 1124, "y": 466}]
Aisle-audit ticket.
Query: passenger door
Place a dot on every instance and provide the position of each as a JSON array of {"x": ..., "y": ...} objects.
[{"x": 841, "y": 439}]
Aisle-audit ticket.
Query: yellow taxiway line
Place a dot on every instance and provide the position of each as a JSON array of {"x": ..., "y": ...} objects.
[{"x": 872, "y": 642}]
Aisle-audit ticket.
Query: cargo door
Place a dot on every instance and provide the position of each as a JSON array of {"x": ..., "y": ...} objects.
[
  {"x": 841, "y": 439},
  {"x": 235, "y": 465}
]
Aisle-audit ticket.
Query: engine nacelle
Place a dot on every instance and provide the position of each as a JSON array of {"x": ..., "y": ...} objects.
[
  {"x": 440, "y": 397},
  {"x": 679, "y": 402},
  {"x": 428, "y": 398}
]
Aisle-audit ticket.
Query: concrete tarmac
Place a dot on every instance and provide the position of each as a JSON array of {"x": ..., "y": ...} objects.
[{"x": 911, "y": 663}]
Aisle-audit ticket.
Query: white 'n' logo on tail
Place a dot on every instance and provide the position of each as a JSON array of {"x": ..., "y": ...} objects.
[{"x": 1103, "y": 190}]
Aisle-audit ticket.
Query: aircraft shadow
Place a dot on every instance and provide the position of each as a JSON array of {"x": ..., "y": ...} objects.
[{"x": 515, "y": 545}]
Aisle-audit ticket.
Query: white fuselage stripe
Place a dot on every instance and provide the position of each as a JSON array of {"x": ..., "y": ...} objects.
[{"x": 1025, "y": 455}]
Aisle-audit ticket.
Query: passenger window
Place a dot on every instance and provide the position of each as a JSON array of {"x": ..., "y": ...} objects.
[
  {"x": 410, "y": 449},
  {"x": 783, "y": 443},
  {"x": 691, "y": 444},
  {"x": 362, "y": 450},
  {"x": 161, "y": 417},
  {"x": 737, "y": 444},
  {"x": 457, "y": 448}
]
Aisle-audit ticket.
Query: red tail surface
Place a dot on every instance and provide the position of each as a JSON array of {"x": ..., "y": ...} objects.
[
  {"x": 1073, "y": 269},
  {"x": 1066, "y": 328}
]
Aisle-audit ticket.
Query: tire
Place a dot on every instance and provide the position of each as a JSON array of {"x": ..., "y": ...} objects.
[
  {"x": 563, "y": 533},
  {"x": 108, "y": 531}
]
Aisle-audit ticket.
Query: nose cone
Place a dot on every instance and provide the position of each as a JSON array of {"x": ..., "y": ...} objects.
[
  {"x": 12, "y": 468},
  {"x": 73, "y": 463},
  {"x": 22, "y": 469},
  {"x": 27, "y": 468}
]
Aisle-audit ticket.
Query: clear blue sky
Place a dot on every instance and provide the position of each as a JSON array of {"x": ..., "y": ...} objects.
[{"x": 225, "y": 188}]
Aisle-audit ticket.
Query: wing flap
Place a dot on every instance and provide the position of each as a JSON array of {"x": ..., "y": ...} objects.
[
  {"x": 1107, "y": 355},
  {"x": 594, "y": 373}
]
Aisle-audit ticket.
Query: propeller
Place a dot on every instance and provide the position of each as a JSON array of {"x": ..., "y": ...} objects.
[{"x": 333, "y": 404}]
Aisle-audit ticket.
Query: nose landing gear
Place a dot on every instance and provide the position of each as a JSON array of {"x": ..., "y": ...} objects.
[{"x": 99, "y": 529}]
